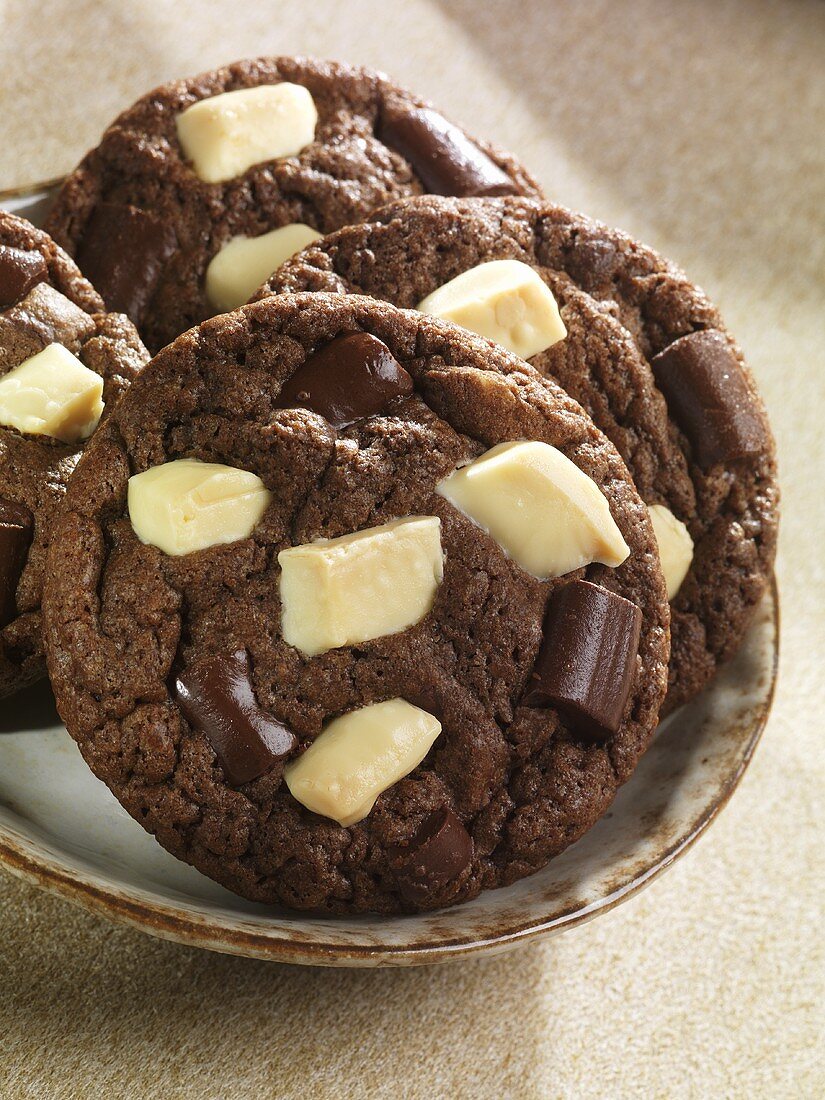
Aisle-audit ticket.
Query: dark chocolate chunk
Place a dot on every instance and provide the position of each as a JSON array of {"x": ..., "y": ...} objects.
[
  {"x": 122, "y": 253},
  {"x": 443, "y": 157},
  {"x": 351, "y": 377},
  {"x": 708, "y": 397},
  {"x": 16, "y": 530},
  {"x": 20, "y": 270},
  {"x": 216, "y": 696},
  {"x": 438, "y": 853},
  {"x": 592, "y": 261},
  {"x": 587, "y": 660}
]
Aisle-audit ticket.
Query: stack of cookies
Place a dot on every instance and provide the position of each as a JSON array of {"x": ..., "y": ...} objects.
[{"x": 366, "y": 595}]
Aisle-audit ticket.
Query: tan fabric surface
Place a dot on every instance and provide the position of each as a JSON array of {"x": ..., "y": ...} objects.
[{"x": 699, "y": 127}]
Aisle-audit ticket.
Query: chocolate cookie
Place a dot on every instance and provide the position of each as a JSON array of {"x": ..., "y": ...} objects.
[
  {"x": 148, "y": 210},
  {"x": 61, "y": 356},
  {"x": 677, "y": 400},
  {"x": 372, "y": 646}
]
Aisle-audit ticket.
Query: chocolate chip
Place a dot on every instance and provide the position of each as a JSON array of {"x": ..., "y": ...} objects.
[
  {"x": 351, "y": 377},
  {"x": 444, "y": 158},
  {"x": 19, "y": 271},
  {"x": 16, "y": 530},
  {"x": 593, "y": 261},
  {"x": 45, "y": 316},
  {"x": 708, "y": 396},
  {"x": 438, "y": 853},
  {"x": 587, "y": 660},
  {"x": 216, "y": 696},
  {"x": 122, "y": 254}
]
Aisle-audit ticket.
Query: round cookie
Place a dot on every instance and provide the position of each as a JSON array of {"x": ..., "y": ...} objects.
[
  {"x": 143, "y": 225},
  {"x": 140, "y": 640},
  {"x": 728, "y": 501},
  {"x": 44, "y": 300}
]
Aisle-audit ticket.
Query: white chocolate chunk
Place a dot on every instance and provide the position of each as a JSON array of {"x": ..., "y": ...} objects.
[
  {"x": 337, "y": 592},
  {"x": 360, "y": 755},
  {"x": 504, "y": 300},
  {"x": 53, "y": 394},
  {"x": 675, "y": 546},
  {"x": 542, "y": 510},
  {"x": 228, "y": 133},
  {"x": 188, "y": 505},
  {"x": 245, "y": 262}
]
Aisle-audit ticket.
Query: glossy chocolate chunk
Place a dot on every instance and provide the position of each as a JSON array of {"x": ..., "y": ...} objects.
[
  {"x": 16, "y": 530},
  {"x": 438, "y": 853},
  {"x": 122, "y": 254},
  {"x": 20, "y": 270},
  {"x": 351, "y": 377},
  {"x": 708, "y": 397},
  {"x": 444, "y": 159},
  {"x": 587, "y": 660},
  {"x": 216, "y": 696}
]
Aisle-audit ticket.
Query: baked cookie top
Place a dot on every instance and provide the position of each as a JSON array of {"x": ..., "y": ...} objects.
[
  {"x": 63, "y": 363},
  {"x": 674, "y": 396},
  {"x": 354, "y": 610},
  {"x": 228, "y": 157}
]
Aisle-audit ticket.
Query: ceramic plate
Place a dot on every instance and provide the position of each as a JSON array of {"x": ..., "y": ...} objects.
[{"x": 61, "y": 829}]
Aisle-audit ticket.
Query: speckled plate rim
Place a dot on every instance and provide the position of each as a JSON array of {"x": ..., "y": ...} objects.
[
  {"x": 31, "y": 861},
  {"x": 31, "y": 190}
]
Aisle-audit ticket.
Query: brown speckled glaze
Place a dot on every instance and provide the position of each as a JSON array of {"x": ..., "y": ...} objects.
[{"x": 683, "y": 782}]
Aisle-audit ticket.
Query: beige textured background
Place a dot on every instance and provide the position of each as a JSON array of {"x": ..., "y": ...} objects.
[{"x": 699, "y": 127}]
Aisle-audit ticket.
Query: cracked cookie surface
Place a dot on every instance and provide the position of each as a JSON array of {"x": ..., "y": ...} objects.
[
  {"x": 122, "y": 618},
  {"x": 636, "y": 305},
  {"x": 62, "y": 307},
  {"x": 338, "y": 179}
]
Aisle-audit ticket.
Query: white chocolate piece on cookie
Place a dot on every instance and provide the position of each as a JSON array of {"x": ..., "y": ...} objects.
[
  {"x": 675, "y": 546},
  {"x": 226, "y": 134},
  {"x": 504, "y": 300},
  {"x": 544, "y": 512},
  {"x": 53, "y": 394},
  {"x": 342, "y": 591},
  {"x": 189, "y": 505},
  {"x": 244, "y": 263},
  {"x": 359, "y": 756}
]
